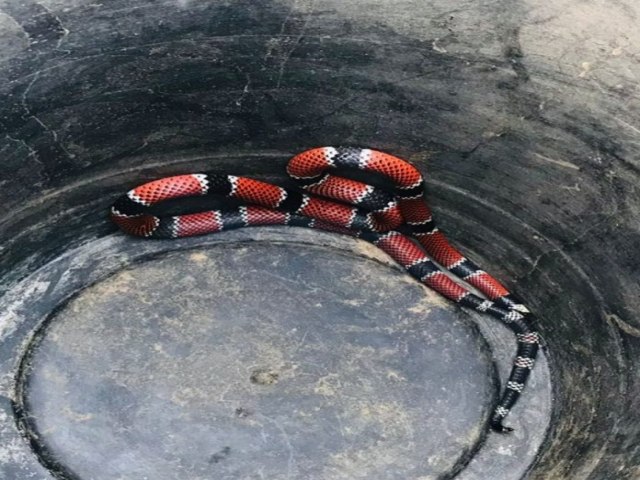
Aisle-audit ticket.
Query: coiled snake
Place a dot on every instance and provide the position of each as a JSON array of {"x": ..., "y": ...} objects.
[{"x": 395, "y": 219}]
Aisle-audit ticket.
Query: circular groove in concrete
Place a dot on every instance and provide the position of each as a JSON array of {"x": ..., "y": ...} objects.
[
  {"x": 288, "y": 362},
  {"x": 350, "y": 280}
]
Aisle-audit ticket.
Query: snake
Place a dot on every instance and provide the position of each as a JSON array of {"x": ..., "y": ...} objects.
[{"x": 387, "y": 209}]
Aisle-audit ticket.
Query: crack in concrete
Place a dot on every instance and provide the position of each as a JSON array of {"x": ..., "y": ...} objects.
[
  {"x": 33, "y": 116},
  {"x": 570, "y": 243},
  {"x": 32, "y": 152},
  {"x": 277, "y": 44},
  {"x": 65, "y": 31}
]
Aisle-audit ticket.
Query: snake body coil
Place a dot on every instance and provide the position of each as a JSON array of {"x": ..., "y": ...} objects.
[{"x": 397, "y": 220}]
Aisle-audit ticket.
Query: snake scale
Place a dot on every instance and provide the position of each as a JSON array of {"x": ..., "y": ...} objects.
[{"x": 395, "y": 218}]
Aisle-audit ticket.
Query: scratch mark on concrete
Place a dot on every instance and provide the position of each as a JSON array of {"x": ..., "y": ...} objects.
[
  {"x": 561, "y": 163},
  {"x": 245, "y": 90},
  {"x": 622, "y": 325},
  {"x": 287, "y": 441},
  {"x": 436, "y": 47},
  {"x": 627, "y": 125},
  {"x": 573, "y": 188},
  {"x": 296, "y": 41}
]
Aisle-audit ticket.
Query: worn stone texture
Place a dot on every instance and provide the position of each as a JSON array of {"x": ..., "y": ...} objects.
[{"x": 523, "y": 115}]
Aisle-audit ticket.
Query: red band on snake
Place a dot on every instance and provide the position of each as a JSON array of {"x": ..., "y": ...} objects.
[{"x": 396, "y": 219}]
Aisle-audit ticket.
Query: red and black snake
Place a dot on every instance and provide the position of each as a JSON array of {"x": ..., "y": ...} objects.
[{"x": 395, "y": 219}]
